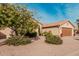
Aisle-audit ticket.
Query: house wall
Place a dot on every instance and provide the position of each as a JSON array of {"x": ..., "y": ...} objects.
[
  {"x": 58, "y": 30},
  {"x": 40, "y": 27},
  {"x": 66, "y": 25},
  {"x": 6, "y": 31},
  {"x": 53, "y": 30},
  {"x": 39, "y": 30}
]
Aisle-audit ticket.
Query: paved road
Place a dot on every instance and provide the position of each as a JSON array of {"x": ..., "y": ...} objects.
[{"x": 70, "y": 46}]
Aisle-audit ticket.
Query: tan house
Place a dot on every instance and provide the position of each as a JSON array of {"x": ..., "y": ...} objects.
[{"x": 61, "y": 28}]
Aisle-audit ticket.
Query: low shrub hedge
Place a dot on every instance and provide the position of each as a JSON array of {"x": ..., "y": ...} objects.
[
  {"x": 17, "y": 40},
  {"x": 52, "y": 39},
  {"x": 45, "y": 33}
]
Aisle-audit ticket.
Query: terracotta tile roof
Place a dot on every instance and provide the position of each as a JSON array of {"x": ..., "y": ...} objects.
[{"x": 55, "y": 24}]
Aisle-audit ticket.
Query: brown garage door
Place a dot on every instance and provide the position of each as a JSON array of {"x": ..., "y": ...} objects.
[{"x": 66, "y": 32}]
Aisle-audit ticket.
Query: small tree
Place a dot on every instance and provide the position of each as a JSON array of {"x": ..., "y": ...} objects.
[{"x": 17, "y": 18}]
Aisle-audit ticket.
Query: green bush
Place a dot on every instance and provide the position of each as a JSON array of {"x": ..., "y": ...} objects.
[
  {"x": 17, "y": 40},
  {"x": 46, "y": 33},
  {"x": 52, "y": 39}
]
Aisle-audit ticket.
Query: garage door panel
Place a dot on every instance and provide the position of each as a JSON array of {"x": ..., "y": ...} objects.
[{"x": 66, "y": 32}]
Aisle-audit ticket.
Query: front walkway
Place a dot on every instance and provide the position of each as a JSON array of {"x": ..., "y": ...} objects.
[{"x": 70, "y": 46}]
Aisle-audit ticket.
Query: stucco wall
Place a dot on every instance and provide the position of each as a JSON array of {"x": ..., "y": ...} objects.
[
  {"x": 39, "y": 30},
  {"x": 40, "y": 27},
  {"x": 67, "y": 25},
  {"x": 54, "y": 30},
  {"x": 58, "y": 30},
  {"x": 6, "y": 31}
]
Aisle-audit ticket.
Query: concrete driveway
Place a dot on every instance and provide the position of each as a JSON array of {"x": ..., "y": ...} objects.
[{"x": 69, "y": 47}]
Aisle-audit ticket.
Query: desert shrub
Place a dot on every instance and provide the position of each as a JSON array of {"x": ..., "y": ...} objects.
[
  {"x": 17, "y": 40},
  {"x": 46, "y": 33},
  {"x": 53, "y": 39}
]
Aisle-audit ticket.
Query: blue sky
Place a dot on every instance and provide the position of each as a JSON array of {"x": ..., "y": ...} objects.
[{"x": 52, "y": 12}]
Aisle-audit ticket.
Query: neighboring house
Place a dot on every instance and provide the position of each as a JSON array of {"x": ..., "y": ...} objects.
[{"x": 62, "y": 28}]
